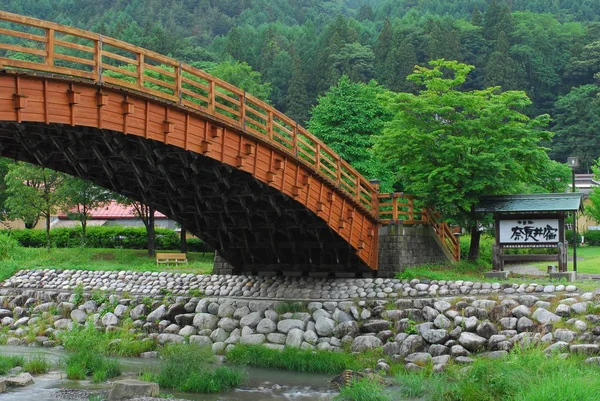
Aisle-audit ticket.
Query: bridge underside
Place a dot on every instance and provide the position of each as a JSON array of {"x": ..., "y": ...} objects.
[{"x": 252, "y": 225}]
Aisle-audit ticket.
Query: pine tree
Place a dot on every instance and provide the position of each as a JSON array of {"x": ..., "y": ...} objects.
[
  {"x": 234, "y": 44},
  {"x": 400, "y": 62},
  {"x": 298, "y": 101},
  {"x": 382, "y": 48},
  {"x": 477, "y": 17}
]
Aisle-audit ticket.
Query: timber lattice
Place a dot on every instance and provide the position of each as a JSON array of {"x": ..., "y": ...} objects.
[{"x": 236, "y": 172}]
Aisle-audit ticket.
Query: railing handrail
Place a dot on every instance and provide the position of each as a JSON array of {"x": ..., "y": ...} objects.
[{"x": 268, "y": 124}]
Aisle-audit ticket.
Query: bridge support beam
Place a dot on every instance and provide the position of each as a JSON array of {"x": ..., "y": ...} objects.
[{"x": 402, "y": 247}]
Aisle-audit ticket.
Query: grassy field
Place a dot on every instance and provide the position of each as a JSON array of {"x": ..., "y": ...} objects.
[
  {"x": 588, "y": 260},
  {"x": 98, "y": 259}
]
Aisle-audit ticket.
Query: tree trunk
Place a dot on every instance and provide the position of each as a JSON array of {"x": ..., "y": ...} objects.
[
  {"x": 83, "y": 227},
  {"x": 48, "y": 230},
  {"x": 151, "y": 233},
  {"x": 474, "y": 247},
  {"x": 183, "y": 240}
]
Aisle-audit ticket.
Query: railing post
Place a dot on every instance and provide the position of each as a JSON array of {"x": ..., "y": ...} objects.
[
  {"x": 211, "y": 96},
  {"x": 50, "y": 47},
  {"x": 270, "y": 124},
  {"x": 243, "y": 110},
  {"x": 374, "y": 196},
  {"x": 141, "y": 72},
  {"x": 358, "y": 192},
  {"x": 98, "y": 59},
  {"x": 178, "y": 82},
  {"x": 411, "y": 209},
  {"x": 318, "y": 157},
  {"x": 394, "y": 207}
]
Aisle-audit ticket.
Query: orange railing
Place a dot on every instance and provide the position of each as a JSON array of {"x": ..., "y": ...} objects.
[
  {"x": 32, "y": 44},
  {"x": 400, "y": 208}
]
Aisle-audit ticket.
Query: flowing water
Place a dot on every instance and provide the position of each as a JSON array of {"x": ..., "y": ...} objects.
[{"x": 261, "y": 384}]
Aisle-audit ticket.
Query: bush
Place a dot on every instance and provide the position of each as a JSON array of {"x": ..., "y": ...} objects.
[
  {"x": 485, "y": 248},
  {"x": 187, "y": 367},
  {"x": 7, "y": 246},
  {"x": 197, "y": 245},
  {"x": 569, "y": 237},
  {"x": 9, "y": 362},
  {"x": 102, "y": 237},
  {"x": 37, "y": 365},
  {"x": 592, "y": 237}
]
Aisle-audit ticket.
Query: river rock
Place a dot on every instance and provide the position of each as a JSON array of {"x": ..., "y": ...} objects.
[
  {"x": 544, "y": 316},
  {"x": 286, "y": 325},
  {"x": 471, "y": 341},
  {"x": 295, "y": 338},
  {"x": 205, "y": 321},
  {"x": 127, "y": 389},
  {"x": 157, "y": 315},
  {"x": 139, "y": 311},
  {"x": 110, "y": 320},
  {"x": 324, "y": 326},
  {"x": 253, "y": 339},
  {"x": 364, "y": 343},
  {"x": 20, "y": 380},
  {"x": 266, "y": 326},
  {"x": 251, "y": 320}
]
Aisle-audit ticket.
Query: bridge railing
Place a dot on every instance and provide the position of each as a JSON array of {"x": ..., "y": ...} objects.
[
  {"x": 399, "y": 207},
  {"x": 32, "y": 44}
]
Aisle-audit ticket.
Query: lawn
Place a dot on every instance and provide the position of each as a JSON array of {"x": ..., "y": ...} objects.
[
  {"x": 98, "y": 259},
  {"x": 588, "y": 260}
]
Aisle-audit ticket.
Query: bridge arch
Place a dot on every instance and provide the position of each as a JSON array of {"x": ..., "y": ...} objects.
[{"x": 236, "y": 172}]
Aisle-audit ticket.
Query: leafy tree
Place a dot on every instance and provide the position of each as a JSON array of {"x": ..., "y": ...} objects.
[
  {"x": 593, "y": 209},
  {"x": 348, "y": 118},
  {"x": 80, "y": 197},
  {"x": 452, "y": 147},
  {"x": 356, "y": 61},
  {"x": 242, "y": 76},
  {"x": 4, "y": 166},
  {"x": 146, "y": 214},
  {"x": 33, "y": 193}
]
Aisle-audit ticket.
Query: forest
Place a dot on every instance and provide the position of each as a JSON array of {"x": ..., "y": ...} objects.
[{"x": 291, "y": 52}]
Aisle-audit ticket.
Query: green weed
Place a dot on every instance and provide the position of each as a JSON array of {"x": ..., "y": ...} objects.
[
  {"x": 290, "y": 307},
  {"x": 362, "y": 390},
  {"x": 187, "y": 367},
  {"x": 9, "y": 362},
  {"x": 37, "y": 365}
]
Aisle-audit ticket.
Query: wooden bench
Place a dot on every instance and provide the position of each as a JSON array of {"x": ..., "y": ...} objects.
[{"x": 168, "y": 258}]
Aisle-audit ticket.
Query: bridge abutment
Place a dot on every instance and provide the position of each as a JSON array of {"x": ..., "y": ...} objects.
[{"x": 402, "y": 247}]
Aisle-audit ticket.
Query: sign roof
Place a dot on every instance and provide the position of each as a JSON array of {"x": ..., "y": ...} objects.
[{"x": 563, "y": 202}]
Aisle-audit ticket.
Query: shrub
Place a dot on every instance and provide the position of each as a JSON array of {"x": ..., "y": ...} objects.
[
  {"x": 7, "y": 246},
  {"x": 37, "y": 365},
  {"x": 9, "y": 362},
  {"x": 197, "y": 245},
  {"x": 485, "y": 248},
  {"x": 592, "y": 237},
  {"x": 187, "y": 367},
  {"x": 100, "y": 237},
  {"x": 89, "y": 362}
]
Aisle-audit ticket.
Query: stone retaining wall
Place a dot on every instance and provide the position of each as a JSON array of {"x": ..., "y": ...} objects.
[{"x": 413, "y": 331}]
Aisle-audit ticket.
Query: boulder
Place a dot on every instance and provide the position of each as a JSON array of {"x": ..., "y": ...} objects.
[
  {"x": 205, "y": 321},
  {"x": 436, "y": 336},
  {"x": 266, "y": 326},
  {"x": 349, "y": 328},
  {"x": 544, "y": 316},
  {"x": 139, "y": 311},
  {"x": 253, "y": 339},
  {"x": 286, "y": 325},
  {"x": 157, "y": 315},
  {"x": 110, "y": 320},
  {"x": 20, "y": 380},
  {"x": 166, "y": 338},
  {"x": 324, "y": 326},
  {"x": 251, "y": 320},
  {"x": 375, "y": 326},
  {"x": 295, "y": 337},
  {"x": 78, "y": 316},
  {"x": 471, "y": 341},
  {"x": 127, "y": 389},
  {"x": 365, "y": 343}
]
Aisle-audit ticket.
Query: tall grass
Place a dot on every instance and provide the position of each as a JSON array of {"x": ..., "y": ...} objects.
[
  {"x": 37, "y": 364},
  {"x": 362, "y": 390},
  {"x": 187, "y": 367},
  {"x": 9, "y": 362},
  {"x": 526, "y": 375},
  {"x": 295, "y": 359}
]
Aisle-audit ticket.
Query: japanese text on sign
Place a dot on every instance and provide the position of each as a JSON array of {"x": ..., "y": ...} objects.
[{"x": 529, "y": 231}]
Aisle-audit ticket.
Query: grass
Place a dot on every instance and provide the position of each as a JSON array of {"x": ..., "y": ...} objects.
[
  {"x": 87, "y": 362},
  {"x": 98, "y": 259},
  {"x": 525, "y": 375},
  {"x": 362, "y": 390},
  {"x": 121, "y": 342},
  {"x": 37, "y": 365},
  {"x": 9, "y": 362},
  {"x": 298, "y": 360},
  {"x": 290, "y": 307},
  {"x": 588, "y": 260},
  {"x": 187, "y": 367}
]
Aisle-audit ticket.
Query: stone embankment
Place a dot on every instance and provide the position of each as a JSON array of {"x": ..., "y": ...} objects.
[
  {"x": 301, "y": 288},
  {"x": 412, "y": 330}
]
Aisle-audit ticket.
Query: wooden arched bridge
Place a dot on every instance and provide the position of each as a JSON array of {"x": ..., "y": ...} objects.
[{"x": 234, "y": 171}]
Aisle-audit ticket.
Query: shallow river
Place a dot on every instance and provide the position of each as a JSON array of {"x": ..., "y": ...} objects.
[{"x": 261, "y": 384}]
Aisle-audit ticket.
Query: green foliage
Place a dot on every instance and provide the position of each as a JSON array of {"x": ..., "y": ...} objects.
[
  {"x": 593, "y": 209},
  {"x": 526, "y": 374},
  {"x": 37, "y": 365},
  {"x": 348, "y": 118},
  {"x": 592, "y": 237},
  {"x": 120, "y": 342},
  {"x": 440, "y": 141},
  {"x": 362, "y": 390},
  {"x": 85, "y": 363},
  {"x": 188, "y": 367},
  {"x": 294, "y": 359},
  {"x": 78, "y": 294},
  {"x": 8, "y": 246},
  {"x": 290, "y": 307},
  {"x": 9, "y": 362},
  {"x": 240, "y": 74},
  {"x": 485, "y": 248},
  {"x": 101, "y": 237}
]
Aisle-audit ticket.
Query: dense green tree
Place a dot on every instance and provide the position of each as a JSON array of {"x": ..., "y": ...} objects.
[
  {"x": 297, "y": 100},
  {"x": 497, "y": 19},
  {"x": 348, "y": 118},
  {"x": 451, "y": 147},
  {"x": 400, "y": 62},
  {"x": 577, "y": 126},
  {"x": 382, "y": 47},
  {"x": 33, "y": 192},
  {"x": 80, "y": 197},
  {"x": 500, "y": 69},
  {"x": 146, "y": 214},
  {"x": 242, "y": 76},
  {"x": 356, "y": 61},
  {"x": 593, "y": 209}
]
